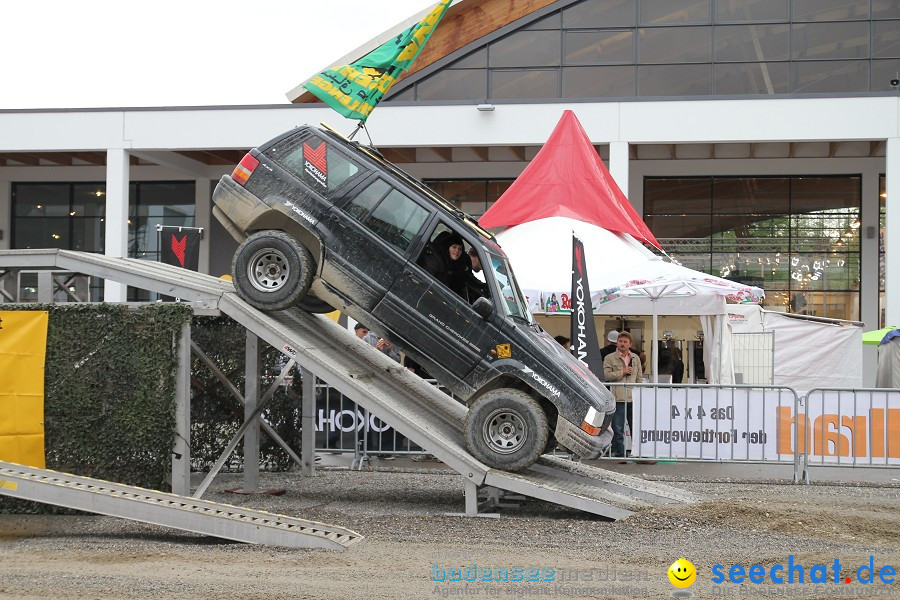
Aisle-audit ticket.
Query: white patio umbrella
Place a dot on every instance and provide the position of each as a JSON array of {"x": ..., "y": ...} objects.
[{"x": 660, "y": 279}]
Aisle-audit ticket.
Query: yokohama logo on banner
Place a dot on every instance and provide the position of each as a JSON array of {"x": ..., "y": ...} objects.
[
  {"x": 180, "y": 246},
  {"x": 315, "y": 162},
  {"x": 584, "y": 333}
]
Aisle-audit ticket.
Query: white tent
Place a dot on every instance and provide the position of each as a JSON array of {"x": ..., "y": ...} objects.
[
  {"x": 540, "y": 252},
  {"x": 808, "y": 352},
  {"x": 567, "y": 189}
]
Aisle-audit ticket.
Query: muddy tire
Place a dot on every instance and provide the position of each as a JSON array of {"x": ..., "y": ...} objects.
[
  {"x": 506, "y": 429},
  {"x": 272, "y": 270}
]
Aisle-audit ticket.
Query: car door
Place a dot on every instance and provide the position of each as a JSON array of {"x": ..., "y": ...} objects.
[
  {"x": 367, "y": 240},
  {"x": 450, "y": 336}
]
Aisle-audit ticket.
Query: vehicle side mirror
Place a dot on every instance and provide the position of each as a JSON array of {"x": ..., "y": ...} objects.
[{"x": 484, "y": 307}]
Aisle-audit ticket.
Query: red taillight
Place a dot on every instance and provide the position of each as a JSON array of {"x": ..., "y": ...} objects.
[{"x": 245, "y": 169}]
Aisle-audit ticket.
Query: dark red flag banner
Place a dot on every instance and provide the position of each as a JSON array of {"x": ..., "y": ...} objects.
[{"x": 180, "y": 246}]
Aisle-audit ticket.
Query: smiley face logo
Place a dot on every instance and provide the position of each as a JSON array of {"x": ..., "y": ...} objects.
[{"x": 682, "y": 573}]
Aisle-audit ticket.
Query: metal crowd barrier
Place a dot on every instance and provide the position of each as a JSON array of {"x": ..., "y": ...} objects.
[
  {"x": 719, "y": 423},
  {"x": 752, "y": 424},
  {"x": 849, "y": 428}
]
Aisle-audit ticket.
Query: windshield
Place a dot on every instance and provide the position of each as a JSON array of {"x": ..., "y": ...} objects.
[{"x": 514, "y": 301}]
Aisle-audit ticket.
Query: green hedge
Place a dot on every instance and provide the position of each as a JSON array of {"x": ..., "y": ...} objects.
[{"x": 110, "y": 393}]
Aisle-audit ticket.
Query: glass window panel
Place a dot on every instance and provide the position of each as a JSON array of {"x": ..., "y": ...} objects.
[
  {"x": 883, "y": 71},
  {"x": 532, "y": 83},
  {"x": 599, "y": 82},
  {"x": 496, "y": 188},
  {"x": 89, "y": 200},
  {"x": 41, "y": 199},
  {"x": 751, "y": 78},
  {"x": 746, "y": 233},
  {"x": 475, "y": 60},
  {"x": 753, "y": 268},
  {"x": 468, "y": 196},
  {"x": 157, "y": 203},
  {"x": 886, "y": 9},
  {"x": 830, "y": 76},
  {"x": 678, "y": 226},
  {"x": 834, "y": 305},
  {"x": 830, "y": 40},
  {"x": 814, "y": 194},
  {"x": 674, "y": 80},
  {"x": 88, "y": 234},
  {"x": 674, "y": 44},
  {"x": 592, "y": 47},
  {"x": 526, "y": 49},
  {"x": 758, "y": 43},
  {"x": 610, "y": 13},
  {"x": 658, "y": 12},
  {"x": 452, "y": 84},
  {"x": 401, "y": 94},
  {"x": 46, "y": 232},
  {"x": 824, "y": 232},
  {"x": 886, "y": 39},
  {"x": 830, "y": 10},
  {"x": 678, "y": 196},
  {"x": 751, "y": 10},
  {"x": 397, "y": 220},
  {"x": 553, "y": 21},
  {"x": 751, "y": 195}
]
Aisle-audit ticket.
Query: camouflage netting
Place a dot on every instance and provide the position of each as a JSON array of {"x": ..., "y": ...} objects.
[
  {"x": 110, "y": 393},
  {"x": 216, "y": 415}
]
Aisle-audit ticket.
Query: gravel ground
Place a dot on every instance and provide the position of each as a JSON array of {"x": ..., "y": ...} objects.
[{"x": 410, "y": 542}]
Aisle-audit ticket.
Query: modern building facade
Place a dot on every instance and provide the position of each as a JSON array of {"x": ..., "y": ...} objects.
[{"x": 759, "y": 139}]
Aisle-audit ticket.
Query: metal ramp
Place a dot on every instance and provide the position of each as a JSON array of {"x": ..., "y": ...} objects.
[
  {"x": 421, "y": 412},
  {"x": 180, "y": 512}
]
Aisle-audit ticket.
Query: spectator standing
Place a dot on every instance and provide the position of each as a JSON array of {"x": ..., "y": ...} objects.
[
  {"x": 677, "y": 366},
  {"x": 625, "y": 367}
]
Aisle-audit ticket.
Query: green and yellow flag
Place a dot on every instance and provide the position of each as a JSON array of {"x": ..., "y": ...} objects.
[{"x": 353, "y": 90}]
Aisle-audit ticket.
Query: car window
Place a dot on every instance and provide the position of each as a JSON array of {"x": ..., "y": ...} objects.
[
  {"x": 366, "y": 201},
  {"x": 397, "y": 220},
  {"x": 314, "y": 161},
  {"x": 388, "y": 213},
  {"x": 463, "y": 274}
]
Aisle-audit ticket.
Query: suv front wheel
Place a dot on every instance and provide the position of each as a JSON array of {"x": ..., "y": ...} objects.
[
  {"x": 506, "y": 429},
  {"x": 272, "y": 270}
]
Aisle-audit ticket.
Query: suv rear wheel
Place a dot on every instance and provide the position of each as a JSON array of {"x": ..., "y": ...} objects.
[
  {"x": 272, "y": 270},
  {"x": 506, "y": 429}
]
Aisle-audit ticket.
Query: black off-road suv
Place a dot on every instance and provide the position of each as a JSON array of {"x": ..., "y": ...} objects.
[{"x": 325, "y": 222}]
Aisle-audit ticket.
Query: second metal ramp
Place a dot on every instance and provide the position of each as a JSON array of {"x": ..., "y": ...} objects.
[{"x": 170, "y": 510}]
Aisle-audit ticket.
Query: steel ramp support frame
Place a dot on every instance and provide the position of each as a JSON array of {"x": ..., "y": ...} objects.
[
  {"x": 240, "y": 398},
  {"x": 473, "y": 506},
  {"x": 251, "y": 402},
  {"x": 181, "y": 453},
  {"x": 246, "y": 425},
  {"x": 307, "y": 424}
]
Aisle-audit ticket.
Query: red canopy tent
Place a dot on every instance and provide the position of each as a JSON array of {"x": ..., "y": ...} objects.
[{"x": 567, "y": 179}]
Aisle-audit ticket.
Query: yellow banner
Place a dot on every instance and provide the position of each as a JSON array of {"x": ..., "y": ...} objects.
[{"x": 23, "y": 347}]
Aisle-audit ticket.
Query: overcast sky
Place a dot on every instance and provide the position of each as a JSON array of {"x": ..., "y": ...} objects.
[{"x": 122, "y": 53}]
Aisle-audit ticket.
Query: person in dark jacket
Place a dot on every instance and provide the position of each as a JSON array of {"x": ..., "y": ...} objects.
[{"x": 445, "y": 259}]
